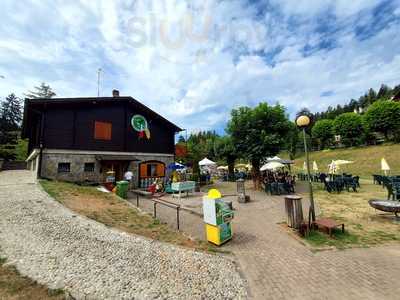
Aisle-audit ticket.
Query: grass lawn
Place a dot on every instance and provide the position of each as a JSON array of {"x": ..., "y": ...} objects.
[
  {"x": 363, "y": 225},
  {"x": 113, "y": 211},
  {"x": 15, "y": 286},
  {"x": 367, "y": 160}
]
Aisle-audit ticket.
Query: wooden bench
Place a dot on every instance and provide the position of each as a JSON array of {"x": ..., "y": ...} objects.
[
  {"x": 181, "y": 187},
  {"x": 329, "y": 224}
]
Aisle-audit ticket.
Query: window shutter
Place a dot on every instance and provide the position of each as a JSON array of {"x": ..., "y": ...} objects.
[
  {"x": 102, "y": 131},
  {"x": 143, "y": 170},
  {"x": 160, "y": 170}
]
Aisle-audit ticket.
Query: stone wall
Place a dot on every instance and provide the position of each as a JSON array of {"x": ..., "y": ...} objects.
[{"x": 77, "y": 161}]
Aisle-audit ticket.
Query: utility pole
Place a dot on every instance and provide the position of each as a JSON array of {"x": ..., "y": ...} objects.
[{"x": 98, "y": 81}]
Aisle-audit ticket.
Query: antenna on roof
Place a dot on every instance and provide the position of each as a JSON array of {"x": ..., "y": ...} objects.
[{"x": 98, "y": 81}]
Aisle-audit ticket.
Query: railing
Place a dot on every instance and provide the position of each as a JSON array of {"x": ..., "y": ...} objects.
[{"x": 159, "y": 201}]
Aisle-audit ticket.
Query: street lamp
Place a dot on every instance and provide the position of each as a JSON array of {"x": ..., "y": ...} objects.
[{"x": 303, "y": 122}]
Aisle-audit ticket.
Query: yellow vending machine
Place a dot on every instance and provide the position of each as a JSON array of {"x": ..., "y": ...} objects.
[{"x": 218, "y": 217}]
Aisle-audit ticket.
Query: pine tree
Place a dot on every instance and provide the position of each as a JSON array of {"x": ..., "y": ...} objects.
[
  {"x": 384, "y": 92},
  {"x": 10, "y": 114},
  {"x": 42, "y": 91}
]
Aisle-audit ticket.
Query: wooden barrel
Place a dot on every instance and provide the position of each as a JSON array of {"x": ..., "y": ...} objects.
[{"x": 294, "y": 211}]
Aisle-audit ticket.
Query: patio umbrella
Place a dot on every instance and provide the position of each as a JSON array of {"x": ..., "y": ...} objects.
[
  {"x": 273, "y": 165},
  {"x": 206, "y": 162},
  {"x": 278, "y": 159},
  {"x": 175, "y": 166},
  {"x": 333, "y": 167},
  {"x": 315, "y": 166},
  {"x": 384, "y": 166}
]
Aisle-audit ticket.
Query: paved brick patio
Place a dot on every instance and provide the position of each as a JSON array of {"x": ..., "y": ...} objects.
[{"x": 278, "y": 266}]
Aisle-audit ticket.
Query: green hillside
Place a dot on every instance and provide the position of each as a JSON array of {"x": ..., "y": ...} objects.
[{"x": 367, "y": 160}]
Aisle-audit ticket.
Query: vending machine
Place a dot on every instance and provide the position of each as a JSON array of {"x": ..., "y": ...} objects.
[{"x": 218, "y": 217}]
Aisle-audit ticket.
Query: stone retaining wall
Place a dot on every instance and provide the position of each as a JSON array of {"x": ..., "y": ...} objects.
[{"x": 77, "y": 161}]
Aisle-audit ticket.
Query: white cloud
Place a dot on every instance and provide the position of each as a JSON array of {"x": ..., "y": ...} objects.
[{"x": 193, "y": 61}]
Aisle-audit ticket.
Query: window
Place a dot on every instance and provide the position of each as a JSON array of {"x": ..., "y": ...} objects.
[
  {"x": 102, "y": 131},
  {"x": 88, "y": 167},
  {"x": 151, "y": 170},
  {"x": 64, "y": 168}
]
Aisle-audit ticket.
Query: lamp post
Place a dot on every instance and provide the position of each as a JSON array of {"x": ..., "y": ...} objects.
[{"x": 302, "y": 122}]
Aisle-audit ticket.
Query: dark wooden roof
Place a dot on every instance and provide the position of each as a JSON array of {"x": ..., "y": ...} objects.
[{"x": 83, "y": 100}]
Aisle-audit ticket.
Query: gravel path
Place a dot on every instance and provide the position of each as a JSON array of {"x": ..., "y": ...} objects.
[{"x": 54, "y": 246}]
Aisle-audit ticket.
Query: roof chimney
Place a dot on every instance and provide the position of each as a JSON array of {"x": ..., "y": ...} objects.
[{"x": 115, "y": 93}]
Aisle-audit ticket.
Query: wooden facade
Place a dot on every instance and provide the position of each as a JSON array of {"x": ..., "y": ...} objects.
[
  {"x": 75, "y": 133},
  {"x": 70, "y": 124}
]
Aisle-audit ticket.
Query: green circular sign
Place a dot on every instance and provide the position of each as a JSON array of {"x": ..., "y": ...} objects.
[{"x": 139, "y": 123}]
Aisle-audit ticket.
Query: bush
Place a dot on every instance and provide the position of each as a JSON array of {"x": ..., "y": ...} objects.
[
  {"x": 384, "y": 117},
  {"x": 350, "y": 127},
  {"x": 323, "y": 132}
]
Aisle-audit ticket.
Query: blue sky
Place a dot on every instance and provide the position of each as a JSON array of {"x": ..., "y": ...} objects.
[{"x": 193, "y": 61}]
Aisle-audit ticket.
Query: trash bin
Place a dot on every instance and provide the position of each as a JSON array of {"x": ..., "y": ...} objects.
[
  {"x": 241, "y": 191},
  {"x": 122, "y": 189},
  {"x": 294, "y": 211}
]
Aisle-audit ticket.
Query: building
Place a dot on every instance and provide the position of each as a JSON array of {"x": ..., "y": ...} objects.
[{"x": 81, "y": 139}]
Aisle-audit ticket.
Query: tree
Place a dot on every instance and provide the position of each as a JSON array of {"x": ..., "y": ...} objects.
[
  {"x": 200, "y": 145},
  {"x": 384, "y": 117},
  {"x": 225, "y": 150},
  {"x": 350, "y": 127},
  {"x": 42, "y": 91},
  {"x": 384, "y": 93},
  {"x": 10, "y": 114},
  {"x": 293, "y": 139},
  {"x": 181, "y": 139},
  {"x": 323, "y": 132},
  {"x": 21, "y": 149},
  {"x": 258, "y": 133},
  {"x": 10, "y": 122}
]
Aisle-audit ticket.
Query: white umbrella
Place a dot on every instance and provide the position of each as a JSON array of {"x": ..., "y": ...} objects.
[
  {"x": 272, "y": 166},
  {"x": 278, "y": 159},
  {"x": 315, "y": 166},
  {"x": 304, "y": 166},
  {"x": 206, "y": 162},
  {"x": 333, "y": 167},
  {"x": 384, "y": 166}
]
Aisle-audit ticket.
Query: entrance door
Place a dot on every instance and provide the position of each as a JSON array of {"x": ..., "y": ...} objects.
[{"x": 118, "y": 166}]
